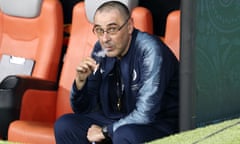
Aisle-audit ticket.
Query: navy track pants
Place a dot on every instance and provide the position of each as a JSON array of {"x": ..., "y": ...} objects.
[{"x": 72, "y": 129}]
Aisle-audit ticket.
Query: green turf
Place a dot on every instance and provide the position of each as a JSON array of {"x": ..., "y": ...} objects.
[
  {"x": 6, "y": 142},
  {"x": 216, "y": 134}
]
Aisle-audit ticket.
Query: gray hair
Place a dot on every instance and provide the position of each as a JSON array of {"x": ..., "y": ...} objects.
[{"x": 108, "y": 6}]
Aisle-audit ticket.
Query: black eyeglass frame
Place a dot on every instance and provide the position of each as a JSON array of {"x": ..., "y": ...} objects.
[{"x": 107, "y": 30}]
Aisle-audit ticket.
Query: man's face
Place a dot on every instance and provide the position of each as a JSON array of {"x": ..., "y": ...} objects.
[{"x": 113, "y": 31}]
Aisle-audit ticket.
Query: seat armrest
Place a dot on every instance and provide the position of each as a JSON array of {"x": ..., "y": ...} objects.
[
  {"x": 27, "y": 82},
  {"x": 12, "y": 89}
]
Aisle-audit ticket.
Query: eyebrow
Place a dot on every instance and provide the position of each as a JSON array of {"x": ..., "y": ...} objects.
[{"x": 111, "y": 24}]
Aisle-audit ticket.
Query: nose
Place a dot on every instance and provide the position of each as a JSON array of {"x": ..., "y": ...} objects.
[{"x": 105, "y": 37}]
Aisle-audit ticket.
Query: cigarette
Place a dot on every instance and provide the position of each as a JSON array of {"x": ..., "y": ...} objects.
[
  {"x": 99, "y": 56},
  {"x": 95, "y": 70}
]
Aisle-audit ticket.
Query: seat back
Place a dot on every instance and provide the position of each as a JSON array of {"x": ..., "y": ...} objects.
[
  {"x": 33, "y": 29},
  {"x": 91, "y": 6},
  {"x": 81, "y": 44},
  {"x": 172, "y": 33},
  {"x": 142, "y": 19}
]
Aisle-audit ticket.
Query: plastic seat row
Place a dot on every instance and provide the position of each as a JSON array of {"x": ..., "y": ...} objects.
[{"x": 39, "y": 101}]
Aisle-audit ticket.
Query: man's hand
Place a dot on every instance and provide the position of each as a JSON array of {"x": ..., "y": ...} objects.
[
  {"x": 95, "y": 134},
  {"x": 84, "y": 69}
]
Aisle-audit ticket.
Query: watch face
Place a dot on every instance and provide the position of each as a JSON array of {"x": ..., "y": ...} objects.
[{"x": 104, "y": 129}]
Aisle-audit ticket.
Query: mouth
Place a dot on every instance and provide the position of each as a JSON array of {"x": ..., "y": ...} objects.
[{"x": 108, "y": 49}]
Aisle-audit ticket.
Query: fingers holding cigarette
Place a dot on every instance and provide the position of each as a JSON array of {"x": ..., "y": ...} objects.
[
  {"x": 84, "y": 69},
  {"x": 87, "y": 66}
]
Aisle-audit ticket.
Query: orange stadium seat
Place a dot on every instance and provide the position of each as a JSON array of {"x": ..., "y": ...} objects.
[
  {"x": 37, "y": 37},
  {"x": 31, "y": 33},
  {"x": 40, "y": 108},
  {"x": 172, "y": 32}
]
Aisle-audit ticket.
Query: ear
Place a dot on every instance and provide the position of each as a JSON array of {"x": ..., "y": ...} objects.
[{"x": 130, "y": 26}]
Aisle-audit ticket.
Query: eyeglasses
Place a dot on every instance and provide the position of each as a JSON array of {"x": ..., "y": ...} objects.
[{"x": 112, "y": 30}]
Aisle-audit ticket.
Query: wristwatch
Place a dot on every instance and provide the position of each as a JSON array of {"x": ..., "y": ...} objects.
[{"x": 105, "y": 131}]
